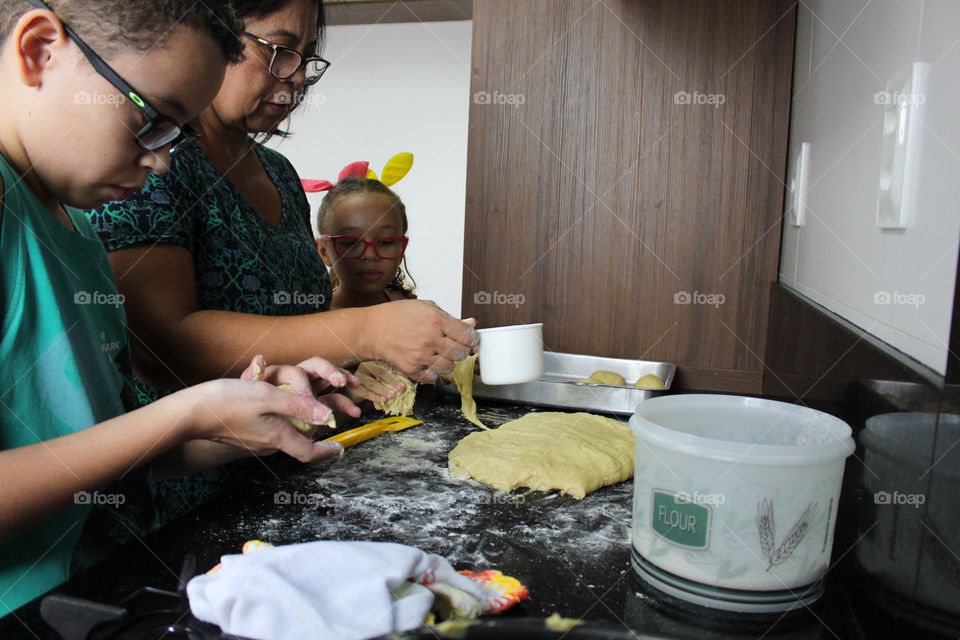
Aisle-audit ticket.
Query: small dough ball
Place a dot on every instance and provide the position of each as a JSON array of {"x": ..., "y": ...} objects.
[
  {"x": 402, "y": 403},
  {"x": 305, "y": 427},
  {"x": 556, "y": 622},
  {"x": 649, "y": 381},
  {"x": 605, "y": 377}
]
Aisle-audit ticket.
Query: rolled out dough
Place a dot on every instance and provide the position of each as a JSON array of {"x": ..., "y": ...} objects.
[
  {"x": 462, "y": 376},
  {"x": 605, "y": 377},
  {"x": 400, "y": 404},
  {"x": 574, "y": 452}
]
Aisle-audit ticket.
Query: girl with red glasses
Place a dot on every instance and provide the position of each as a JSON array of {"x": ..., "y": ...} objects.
[{"x": 363, "y": 226}]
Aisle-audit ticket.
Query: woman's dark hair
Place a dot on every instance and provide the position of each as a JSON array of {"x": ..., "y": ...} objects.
[
  {"x": 255, "y": 9},
  {"x": 352, "y": 185},
  {"x": 110, "y": 26}
]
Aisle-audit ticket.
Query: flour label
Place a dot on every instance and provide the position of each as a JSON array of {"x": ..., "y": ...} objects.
[{"x": 679, "y": 520}]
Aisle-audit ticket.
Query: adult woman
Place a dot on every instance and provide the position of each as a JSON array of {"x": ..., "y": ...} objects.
[{"x": 217, "y": 260}]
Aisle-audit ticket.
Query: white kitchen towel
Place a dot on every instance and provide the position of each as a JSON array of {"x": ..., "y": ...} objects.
[{"x": 325, "y": 590}]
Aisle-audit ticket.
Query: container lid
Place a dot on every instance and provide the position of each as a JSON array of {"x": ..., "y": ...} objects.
[{"x": 742, "y": 429}]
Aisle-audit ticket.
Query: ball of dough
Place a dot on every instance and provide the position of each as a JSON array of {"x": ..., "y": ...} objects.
[
  {"x": 402, "y": 403},
  {"x": 649, "y": 381},
  {"x": 605, "y": 377},
  {"x": 305, "y": 427}
]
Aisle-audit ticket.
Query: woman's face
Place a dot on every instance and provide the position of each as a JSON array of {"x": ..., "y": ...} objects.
[
  {"x": 370, "y": 216},
  {"x": 251, "y": 98}
]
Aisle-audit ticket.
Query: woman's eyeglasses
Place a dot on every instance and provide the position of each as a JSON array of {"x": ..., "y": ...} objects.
[
  {"x": 160, "y": 130},
  {"x": 352, "y": 247},
  {"x": 286, "y": 62}
]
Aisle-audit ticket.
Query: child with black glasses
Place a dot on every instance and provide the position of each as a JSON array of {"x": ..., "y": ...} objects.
[{"x": 77, "y": 130}]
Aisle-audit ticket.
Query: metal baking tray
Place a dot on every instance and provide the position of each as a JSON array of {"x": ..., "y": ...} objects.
[{"x": 560, "y": 387}]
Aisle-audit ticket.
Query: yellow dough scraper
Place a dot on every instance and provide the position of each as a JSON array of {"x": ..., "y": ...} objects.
[{"x": 372, "y": 430}]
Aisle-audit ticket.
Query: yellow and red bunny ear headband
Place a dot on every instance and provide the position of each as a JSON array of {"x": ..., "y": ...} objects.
[{"x": 396, "y": 168}]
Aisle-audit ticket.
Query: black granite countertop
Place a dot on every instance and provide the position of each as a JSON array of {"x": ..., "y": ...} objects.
[{"x": 572, "y": 555}]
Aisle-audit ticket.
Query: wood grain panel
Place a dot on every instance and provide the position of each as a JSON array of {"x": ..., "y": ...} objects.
[
  {"x": 597, "y": 197},
  {"x": 394, "y": 11}
]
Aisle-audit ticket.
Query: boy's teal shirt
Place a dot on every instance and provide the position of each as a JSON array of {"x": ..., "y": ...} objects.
[{"x": 62, "y": 333}]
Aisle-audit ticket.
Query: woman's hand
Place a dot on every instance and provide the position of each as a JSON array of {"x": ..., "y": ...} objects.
[
  {"x": 419, "y": 338},
  {"x": 377, "y": 383}
]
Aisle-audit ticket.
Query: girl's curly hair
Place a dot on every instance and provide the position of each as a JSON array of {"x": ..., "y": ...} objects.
[{"x": 353, "y": 185}]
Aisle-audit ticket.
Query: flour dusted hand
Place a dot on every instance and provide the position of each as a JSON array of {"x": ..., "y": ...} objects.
[
  {"x": 421, "y": 339},
  {"x": 401, "y": 403},
  {"x": 390, "y": 391}
]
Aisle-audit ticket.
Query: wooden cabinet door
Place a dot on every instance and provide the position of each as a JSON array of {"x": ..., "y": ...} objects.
[{"x": 625, "y": 177}]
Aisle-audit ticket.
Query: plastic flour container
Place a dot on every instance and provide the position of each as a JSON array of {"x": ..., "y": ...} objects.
[{"x": 735, "y": 499}]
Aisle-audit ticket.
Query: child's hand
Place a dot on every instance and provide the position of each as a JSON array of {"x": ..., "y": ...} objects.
[
  {"x": 377, "y": 383},
  {"x": 310, "y": 377},
  {"x": 420, "y": 338},
  {"x": 248, "y": 414}
]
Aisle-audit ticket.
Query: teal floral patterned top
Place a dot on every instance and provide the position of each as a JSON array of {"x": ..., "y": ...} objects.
[{"x": 241, "y": 262}]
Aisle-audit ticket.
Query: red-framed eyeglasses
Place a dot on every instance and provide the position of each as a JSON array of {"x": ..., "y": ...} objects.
[{"x": 352, "y": 247}]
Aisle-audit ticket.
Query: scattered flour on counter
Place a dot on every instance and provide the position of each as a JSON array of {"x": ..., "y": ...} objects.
[
  {"x": 408, "y": 457},
  {"x": 269, "y": 529},
  {"x": 398, "y": 488}
]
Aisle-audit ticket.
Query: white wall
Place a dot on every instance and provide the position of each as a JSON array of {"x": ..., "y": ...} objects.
[
  {"x": 393, "y": 88},
  {"x": 846, "y": 52}
]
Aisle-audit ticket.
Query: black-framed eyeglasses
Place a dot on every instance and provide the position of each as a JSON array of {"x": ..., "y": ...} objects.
[
  {"x": 353, "y": 248},
  {"x": 161, "y": 130},
  {"x": 286, "y": 62}
]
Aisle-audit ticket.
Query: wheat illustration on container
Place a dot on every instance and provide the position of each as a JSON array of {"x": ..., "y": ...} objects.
[{"x": 767, "y": 530}]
